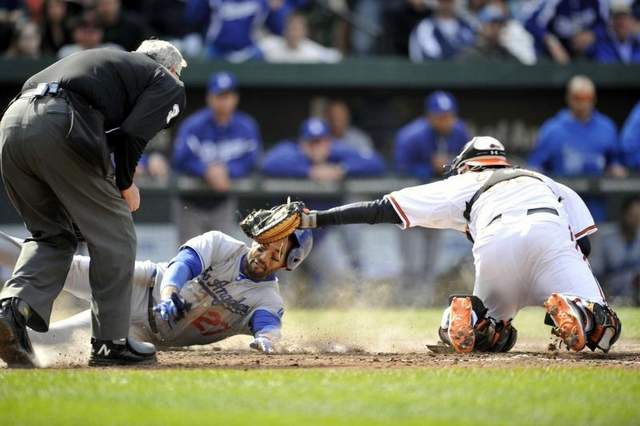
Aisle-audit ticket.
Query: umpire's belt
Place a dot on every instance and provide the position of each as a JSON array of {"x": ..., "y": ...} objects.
[
  {"x": 531, "y": 211},
  {"x": 42, "y": 89}
]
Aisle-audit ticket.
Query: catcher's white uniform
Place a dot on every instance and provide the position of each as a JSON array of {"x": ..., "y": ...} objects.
[
  {"x": 223, "y": 300},
  {"x": 520, "y": 258}
]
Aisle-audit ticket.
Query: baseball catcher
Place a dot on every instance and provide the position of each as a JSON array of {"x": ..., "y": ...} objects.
[
  {"x": 530, "y": 248},
  {"x": 214, "y": 288}
]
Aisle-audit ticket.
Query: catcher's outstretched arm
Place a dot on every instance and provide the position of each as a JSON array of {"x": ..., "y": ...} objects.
[{"x": 371, "y": 212}]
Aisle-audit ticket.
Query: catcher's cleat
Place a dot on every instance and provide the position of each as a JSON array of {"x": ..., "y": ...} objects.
[
  {"x": 15, "y": 346},
  {"x": 567, "y": 321},
  {"x": 461, "y": 332}
]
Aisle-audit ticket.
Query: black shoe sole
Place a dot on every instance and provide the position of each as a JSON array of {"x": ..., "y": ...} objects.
[
  {"x": 11, "y": 351},
  {"x": 115, "y": 362}
]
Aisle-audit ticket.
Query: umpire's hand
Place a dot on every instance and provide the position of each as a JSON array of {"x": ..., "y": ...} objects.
[{"x": 132, "y": 196}]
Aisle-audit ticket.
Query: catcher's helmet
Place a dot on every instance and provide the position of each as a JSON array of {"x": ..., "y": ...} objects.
[
  {"x": 303, "y": 239},
  {"x": 481, "y": 151}
]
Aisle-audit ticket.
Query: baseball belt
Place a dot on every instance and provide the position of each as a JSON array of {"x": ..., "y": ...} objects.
[
  {"x": 151, "y": 303},
  {"x": 530, "y": 211}
]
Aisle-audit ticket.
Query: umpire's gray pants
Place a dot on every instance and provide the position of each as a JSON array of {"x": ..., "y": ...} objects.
[{"x": 52, "y": 186}]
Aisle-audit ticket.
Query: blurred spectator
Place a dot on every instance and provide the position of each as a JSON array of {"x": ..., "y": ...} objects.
[
  {"x": 339, "y": 120},
  {"x": 86, "y": 35},
  {"x": 316, "y": 157},
  {"x": 166, "y": 18},
  {"x": 56, "y": 31},
  {"x": 579, "y": 141},
  {"x": 565, "y": 29},
  {"x": 513, "y": 36},
  {"x": 488, "y": 45},
  {"x": 11, "y": 5},
  {"x": 294, "y": 46},
  {"x": 25, "y": 42},
  {"x": 230, "y": 25},
  {"x": 441, "y": 36},
  {"x": 217, "y": 144},
  {"x": 424, "y": 146},
  {"x": 616, "y": 257},
  {"x": 400, "y": 18},
  {"x": 154, "y": 165},
  {"x": 368, "y": 26},
  {"x": 619, "y": 42},
  {"x": 630, "y": 140},
  {"x": 422, "y": 149},
  {"x": 374, "y": 252},
  {"x": 120, "y": 27}
]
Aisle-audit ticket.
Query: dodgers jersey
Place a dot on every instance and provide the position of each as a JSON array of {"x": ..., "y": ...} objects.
[
  {"x": 442, "y": 204},
  {"x": 222, "y": 299}
]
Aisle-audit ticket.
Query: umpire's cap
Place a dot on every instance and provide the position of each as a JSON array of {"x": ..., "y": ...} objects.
[
  {"x": 481, "y": 151},
  {"x": 303, "y": 242}
]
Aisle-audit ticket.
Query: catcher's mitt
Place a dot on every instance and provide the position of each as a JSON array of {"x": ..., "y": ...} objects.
[{"x": 267, "y": 226}]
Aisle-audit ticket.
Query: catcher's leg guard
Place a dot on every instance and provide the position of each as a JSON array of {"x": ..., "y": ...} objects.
[
  {"x": 606, "y": 327},
  {"x": 600, "y": 324},
  {"x": 466, "y": 328}
]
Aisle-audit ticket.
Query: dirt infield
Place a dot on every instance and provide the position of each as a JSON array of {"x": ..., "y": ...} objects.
[{"x": 250, "y": 360}]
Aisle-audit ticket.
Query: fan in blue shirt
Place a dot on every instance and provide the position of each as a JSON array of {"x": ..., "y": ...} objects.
[
  {"x": 316, "y": 157},
  {"x": 217, "y": 144},
  {"x": 620, "y": 41},
  {"x": 566, "y": 28},
  {"x": 424, "y": 146},
  {"x": 579, "y": 141},
  {"x": 231, "y": 24},
  {"x": 630, "y": 140}
]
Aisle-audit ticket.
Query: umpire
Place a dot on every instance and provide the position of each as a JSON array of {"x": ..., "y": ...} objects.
[{"x": 70, "y": 143}]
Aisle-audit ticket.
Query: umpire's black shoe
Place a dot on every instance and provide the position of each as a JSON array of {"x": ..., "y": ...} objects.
[
  {"x": 15, "y": 346},
  {"x": 106, "y": 353}
]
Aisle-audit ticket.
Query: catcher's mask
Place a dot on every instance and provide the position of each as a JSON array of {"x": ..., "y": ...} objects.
[
  {"x": 302, "y": 244},
  {"x": 479, "y": 152}
]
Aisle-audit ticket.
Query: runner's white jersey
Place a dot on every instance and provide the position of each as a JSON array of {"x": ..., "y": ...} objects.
[
  {"x": 442, "y": 204},
  {"x": 222, "y": 299}
]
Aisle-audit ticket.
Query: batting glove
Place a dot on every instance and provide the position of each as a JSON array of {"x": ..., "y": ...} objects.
[
  {"x": 262, "y": 344},
  {"x": 167, "y": 309}
]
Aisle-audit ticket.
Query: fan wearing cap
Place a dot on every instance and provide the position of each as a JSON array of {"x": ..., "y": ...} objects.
[
  {"x": 215, "y": 287},
  {"x": 619, "y": 41},
  {"x": 216, "y": 144},
  {"x": 316, "y": 157},
  {"x": 524, "y": 227},
  {"x": 424, "y": 146}
]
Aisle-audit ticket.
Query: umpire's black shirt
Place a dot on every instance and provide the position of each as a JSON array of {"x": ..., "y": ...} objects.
[{"x": 128, "y": 95}]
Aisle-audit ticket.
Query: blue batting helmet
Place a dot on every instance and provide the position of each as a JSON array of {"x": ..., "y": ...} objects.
[{"x": 303, "y": 239}]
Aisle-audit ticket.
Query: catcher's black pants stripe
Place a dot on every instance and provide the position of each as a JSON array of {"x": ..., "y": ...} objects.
[{"x": 53, "y": 186}]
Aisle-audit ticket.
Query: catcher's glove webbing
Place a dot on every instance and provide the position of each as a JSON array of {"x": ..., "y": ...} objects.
[{"x": 268, "y": 226}]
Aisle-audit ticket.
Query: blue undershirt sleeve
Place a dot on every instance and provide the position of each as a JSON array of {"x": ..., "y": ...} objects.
[
  {"x": 182, "y": 268},
  {"x": 264, "y": 321}
]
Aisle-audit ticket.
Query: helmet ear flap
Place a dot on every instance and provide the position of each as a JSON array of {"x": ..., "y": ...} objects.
[{"x": 303, "y": 242}]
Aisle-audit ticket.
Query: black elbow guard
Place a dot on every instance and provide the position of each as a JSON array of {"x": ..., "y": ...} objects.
[{"x": 585, "y": 246}]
